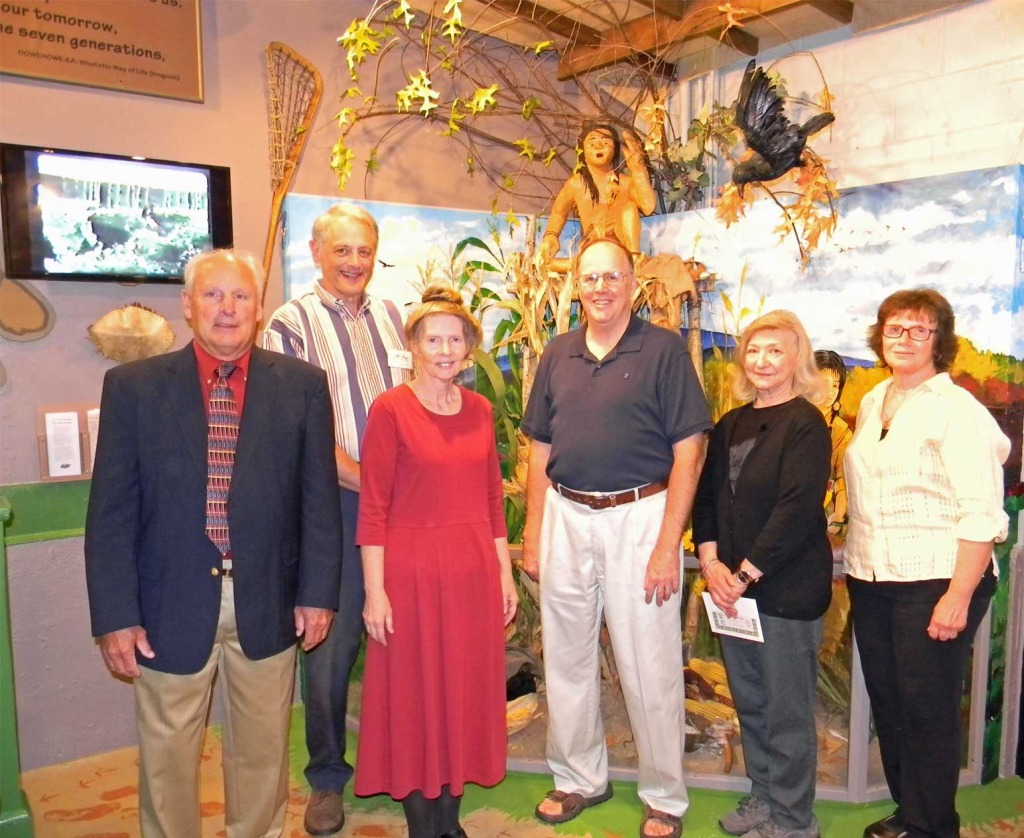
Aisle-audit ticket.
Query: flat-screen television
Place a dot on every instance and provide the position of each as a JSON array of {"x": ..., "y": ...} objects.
[{"x": 86, "y": 216}]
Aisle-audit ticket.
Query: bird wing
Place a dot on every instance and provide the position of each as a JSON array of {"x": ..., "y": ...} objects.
[{"x": 761, "y": 118}]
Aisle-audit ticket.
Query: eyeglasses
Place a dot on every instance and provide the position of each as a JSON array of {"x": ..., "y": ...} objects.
[
  {"x": 895, "y": 331},
  {"x": 612, "y": 279}
]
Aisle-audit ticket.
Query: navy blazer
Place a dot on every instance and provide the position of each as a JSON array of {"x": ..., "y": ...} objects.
[
  {"x": 776, "y": 517},
  {"x": 147, "y": 557}
]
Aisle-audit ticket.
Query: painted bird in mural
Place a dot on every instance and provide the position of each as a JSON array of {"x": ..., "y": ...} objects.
[{"x": 777, "y": 144}]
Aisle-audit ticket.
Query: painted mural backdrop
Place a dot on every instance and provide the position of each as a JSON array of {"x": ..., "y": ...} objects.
[{"x": 960, "y": 233}]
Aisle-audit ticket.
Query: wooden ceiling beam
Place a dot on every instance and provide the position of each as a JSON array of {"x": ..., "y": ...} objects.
[
  {"x": 739, "y": 39},
  {"x": 838, "y": 10},
  {"x": 553, "y": 22},
  {"x": 654, "y": 34},
  {"x": 671, "y": 8},
  {"x": 664, "y": 70}
]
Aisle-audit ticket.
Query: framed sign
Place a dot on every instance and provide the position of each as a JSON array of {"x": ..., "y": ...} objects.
[{"x": 152, "y": 47}]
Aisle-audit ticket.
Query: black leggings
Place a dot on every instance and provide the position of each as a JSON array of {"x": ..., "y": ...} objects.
[{"x": 431, "y": 817}]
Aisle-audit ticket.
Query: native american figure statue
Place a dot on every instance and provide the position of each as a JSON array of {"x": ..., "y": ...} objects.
[{"x": 607, "y": 193}]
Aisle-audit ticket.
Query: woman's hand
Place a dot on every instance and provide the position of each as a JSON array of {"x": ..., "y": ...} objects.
[
  {"x": 509, "y": 596},
  {"x": 949, "y": 617},
  {"x": 723, "y": 587},
  {"x": 377, "y": 616}
]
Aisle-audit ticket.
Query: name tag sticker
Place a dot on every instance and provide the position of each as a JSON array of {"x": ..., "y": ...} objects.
[{"x": 400, "y": 358}]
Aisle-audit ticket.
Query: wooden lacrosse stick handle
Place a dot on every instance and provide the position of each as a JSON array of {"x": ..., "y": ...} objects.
[{"x": 275, "y": 222}]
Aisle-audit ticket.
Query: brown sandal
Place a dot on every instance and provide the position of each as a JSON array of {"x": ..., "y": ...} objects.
[
  {"x": 674, "y": 821},
  {"x": 573, "y": 803}
]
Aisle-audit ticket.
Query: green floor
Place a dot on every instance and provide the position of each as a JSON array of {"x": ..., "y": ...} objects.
[{"x": 996, "y": 809}]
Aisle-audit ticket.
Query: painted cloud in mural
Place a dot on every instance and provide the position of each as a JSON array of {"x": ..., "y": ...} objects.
[{"x": 957, "y": 233}]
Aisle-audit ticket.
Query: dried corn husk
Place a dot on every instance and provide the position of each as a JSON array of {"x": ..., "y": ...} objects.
[{"x": 520, "y": 712}]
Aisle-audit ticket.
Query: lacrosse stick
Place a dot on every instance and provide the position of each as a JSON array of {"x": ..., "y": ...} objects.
[{"x": 294, "y": 87}]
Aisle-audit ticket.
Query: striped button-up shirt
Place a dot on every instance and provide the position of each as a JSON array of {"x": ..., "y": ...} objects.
[{"x": 352, "y": 349}]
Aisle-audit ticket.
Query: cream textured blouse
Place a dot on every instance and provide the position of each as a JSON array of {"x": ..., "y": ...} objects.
[{"x": 935, "y": 478}]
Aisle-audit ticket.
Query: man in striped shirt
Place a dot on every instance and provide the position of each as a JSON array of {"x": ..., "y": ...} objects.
[{"x": 359, "y": 341}]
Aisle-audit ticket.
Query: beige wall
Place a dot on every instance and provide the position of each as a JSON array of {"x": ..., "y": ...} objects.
[{"x": 940, "y": 95}]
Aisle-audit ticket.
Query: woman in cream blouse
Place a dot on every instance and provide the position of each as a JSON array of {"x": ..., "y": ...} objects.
[{"x": 925, "y": 491}]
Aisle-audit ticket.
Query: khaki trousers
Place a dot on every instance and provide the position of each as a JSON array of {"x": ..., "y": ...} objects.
[
  {"x": 594, "y": 562},
  {"x": 171, "y": 713}
]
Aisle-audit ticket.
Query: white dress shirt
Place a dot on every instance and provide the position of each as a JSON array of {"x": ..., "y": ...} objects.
[{"x": 936, "y": 478}]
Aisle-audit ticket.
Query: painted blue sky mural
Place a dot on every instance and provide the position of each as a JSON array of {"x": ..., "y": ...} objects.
[{"x": 960, "y": 233}]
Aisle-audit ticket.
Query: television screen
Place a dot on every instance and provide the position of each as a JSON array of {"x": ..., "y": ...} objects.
[{"x": 80, "y": 215}]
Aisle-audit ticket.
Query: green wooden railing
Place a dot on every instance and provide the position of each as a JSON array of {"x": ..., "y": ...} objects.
[{"x": 15, "y": 819}]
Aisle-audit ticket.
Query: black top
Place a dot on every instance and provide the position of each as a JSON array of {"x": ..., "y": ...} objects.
[
  {"x": 775, "y": 516},
  {"x": 612, "y": 423}
]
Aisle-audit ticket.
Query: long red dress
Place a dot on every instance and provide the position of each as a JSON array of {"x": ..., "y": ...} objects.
[{"x": 433, "y": 709}]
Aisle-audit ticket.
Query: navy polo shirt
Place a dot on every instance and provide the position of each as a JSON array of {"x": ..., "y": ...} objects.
[{"x": 611, "y": 424}]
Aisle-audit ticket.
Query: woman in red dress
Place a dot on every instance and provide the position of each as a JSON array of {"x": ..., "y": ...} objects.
[{"x": 438, "y": 578}]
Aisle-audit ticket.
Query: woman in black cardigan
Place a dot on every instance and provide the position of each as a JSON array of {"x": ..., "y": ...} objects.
[{"x": 760, "y": 529}]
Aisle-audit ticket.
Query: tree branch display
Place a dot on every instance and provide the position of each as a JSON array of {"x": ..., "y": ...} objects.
[{"x": 513, "y": 113}]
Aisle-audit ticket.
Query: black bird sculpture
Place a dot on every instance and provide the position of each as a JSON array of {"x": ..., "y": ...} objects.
[{"x": 776, "y": 142}]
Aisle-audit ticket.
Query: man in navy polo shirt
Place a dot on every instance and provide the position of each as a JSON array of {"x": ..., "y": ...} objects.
[{"x": 617, "y": 422}]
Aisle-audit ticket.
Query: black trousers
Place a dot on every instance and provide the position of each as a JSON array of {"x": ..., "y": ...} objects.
[{"x": 915, "y": 685}]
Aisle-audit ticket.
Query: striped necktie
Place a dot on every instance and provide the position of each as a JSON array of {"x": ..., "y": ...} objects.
[{"x": 220, "y": 457}]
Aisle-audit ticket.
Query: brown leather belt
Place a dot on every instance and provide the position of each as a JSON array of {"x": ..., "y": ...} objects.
[{"x": 602, "y": 500}]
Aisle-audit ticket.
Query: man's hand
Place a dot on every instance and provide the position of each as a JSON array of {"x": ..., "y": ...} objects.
[
  {"x": 349, "y": 475},
  {"x": 118, "y": 650},
  {"x": 530, "y": 562},
  {"x": 537, "y": 485},
  {"x": 662, "y": 579},
  {"x": 312, "y": 625}
]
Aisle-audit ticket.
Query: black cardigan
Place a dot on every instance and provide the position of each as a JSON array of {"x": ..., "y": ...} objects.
[{"x": 776, "y": 518}]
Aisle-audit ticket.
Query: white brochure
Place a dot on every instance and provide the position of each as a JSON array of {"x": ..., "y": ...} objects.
[
  {"x": 63, "y": 449},
  {"x": 746, "y": 624}
]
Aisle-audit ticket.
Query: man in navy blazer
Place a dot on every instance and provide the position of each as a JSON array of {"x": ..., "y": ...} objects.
[{"x": 170, "y": 609}]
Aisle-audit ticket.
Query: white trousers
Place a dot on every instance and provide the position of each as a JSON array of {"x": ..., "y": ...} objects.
[
  {"x": 171, "y": 712},
  {"x": 594, "y": 561}
]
